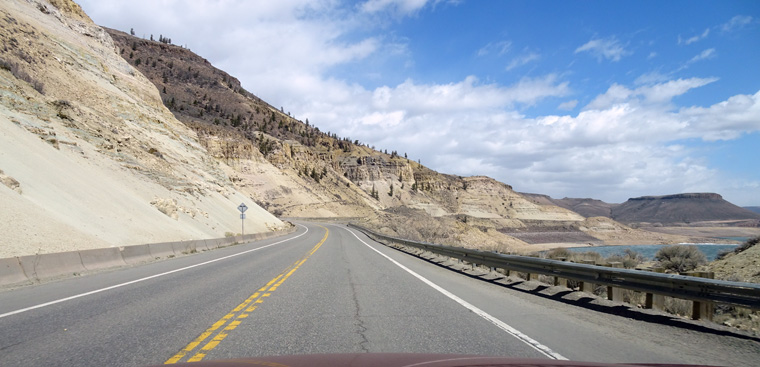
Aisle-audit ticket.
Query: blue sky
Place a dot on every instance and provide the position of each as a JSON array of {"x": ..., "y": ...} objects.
[{"x": 602, "y": 99}]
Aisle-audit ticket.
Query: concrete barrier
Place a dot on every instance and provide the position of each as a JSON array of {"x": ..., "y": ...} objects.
[
  {"x": 136, "y": 254},
  {"x": 183, "y": 247},
  {"x": 47, "y": 266},
  {"x": 11, "y": 271},
  {"x": 201, "y": 245},
  {"x": 101, "y": 258},
  {"x": 213, "y": 243},
  {"x": 163, "y": 249},
  {"x": 39, "y": 267},
  {"x": 226, "y": 241}
]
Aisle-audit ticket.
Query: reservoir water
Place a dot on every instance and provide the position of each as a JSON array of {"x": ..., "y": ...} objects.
[{"x": 711, "y": 250}]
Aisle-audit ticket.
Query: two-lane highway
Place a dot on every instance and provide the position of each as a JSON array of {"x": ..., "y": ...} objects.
[{"x": 323, "y": 289}]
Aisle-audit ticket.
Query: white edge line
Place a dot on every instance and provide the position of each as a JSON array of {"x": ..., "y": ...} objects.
[
  {"x": 500, "y": 324},
  {"x": 143, "y": 279}
]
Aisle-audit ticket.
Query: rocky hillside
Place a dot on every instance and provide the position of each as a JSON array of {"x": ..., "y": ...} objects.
[
  {"x": 89, "y": 155},
  {"x": 295, "y": 170},
  {"x": 586, "y": 207},
  {"x": 742, "y": 265},
  {"x": 692, "y": 209},
  {"x": 110, "y": 140}
]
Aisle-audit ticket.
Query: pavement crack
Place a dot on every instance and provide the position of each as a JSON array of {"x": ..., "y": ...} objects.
[{"x": 361, "y": 329}]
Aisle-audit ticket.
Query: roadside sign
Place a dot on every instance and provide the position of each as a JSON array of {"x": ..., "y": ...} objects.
[{"x": 242, "y": 207}]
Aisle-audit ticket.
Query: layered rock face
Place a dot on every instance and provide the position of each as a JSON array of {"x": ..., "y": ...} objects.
[
  {"x": 89, "y": 154},
  {"x": 295, "y": 170}
]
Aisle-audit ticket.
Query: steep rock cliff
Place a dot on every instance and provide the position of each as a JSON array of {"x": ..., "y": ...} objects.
[{"x": 96, "y": 158}]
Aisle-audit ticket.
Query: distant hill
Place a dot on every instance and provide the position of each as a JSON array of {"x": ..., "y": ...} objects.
[
  {"x": 586, "y": 207},
  {"x": 681, "y": 208},
  {"x": 755, "y": 209}
]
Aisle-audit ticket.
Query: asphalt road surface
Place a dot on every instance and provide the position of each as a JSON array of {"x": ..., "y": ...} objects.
[{"x": 326, "y": 289}]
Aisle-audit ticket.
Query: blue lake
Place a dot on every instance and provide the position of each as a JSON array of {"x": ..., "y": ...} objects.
[{"x": 711, "y": 250}]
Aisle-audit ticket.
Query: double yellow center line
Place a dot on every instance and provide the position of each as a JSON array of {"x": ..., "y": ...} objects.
[{"x": 235, "y": 317}]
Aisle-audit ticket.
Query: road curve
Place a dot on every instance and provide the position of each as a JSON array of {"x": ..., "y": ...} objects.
[{"x": 323, "y": 289}]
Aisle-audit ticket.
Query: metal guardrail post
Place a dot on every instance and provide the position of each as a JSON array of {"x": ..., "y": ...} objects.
[
  {"x": 503, "y": 271},
  {"x": 587, "y": 287},
  {"x": 614, "y": 293},
  {"x": 558, "y": 281},
  {"x": 655, "y": 301},
  {"x": 533, "y": 276},
  {"x": 702, "y": 310}
]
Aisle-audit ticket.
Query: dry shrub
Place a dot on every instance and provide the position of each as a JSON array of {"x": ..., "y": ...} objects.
[
  {"x": 558, "y": 253},
  {"x": 546, "y": 279},
  {"x": 678, "y": 306},
  {"x": 588, "y": 255},
  {"x": 629, "y": 258},
  {"x": 572, "y": 284},
  {"x": 633, "y": 297},
  {"x": 680, "y": 258},
  {"x": 20, "y": 74},
  {"x": 630, "y": 296}
]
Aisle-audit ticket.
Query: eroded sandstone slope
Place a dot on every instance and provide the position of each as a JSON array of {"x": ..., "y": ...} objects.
[
  {"x": 90, "y": 157},
  {"x": 295, "y": 170}
]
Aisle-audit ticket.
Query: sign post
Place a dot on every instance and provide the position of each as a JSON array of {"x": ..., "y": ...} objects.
[{"x": 242, "y": 207}]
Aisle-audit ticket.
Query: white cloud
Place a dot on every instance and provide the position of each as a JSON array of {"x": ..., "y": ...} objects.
[
  {"x": 523, "y": 60},
  {"x": 500, "y": 48},
  {"x": 383, "y": 119},
  {"x": 609, "y": 48},
  {"x": 736, "y": 23},
  {"x": 704, "y": 55},
  {"x": 725, "y": 120},
  {"x": 467, "y": 94},
  {"x": 652, "y": 77},
  {"x": 569, "y": 105},
  {"x": 654, "y": 94},
  {"x": 696, "y": 38},
  {"x": 398, "y": 7}
]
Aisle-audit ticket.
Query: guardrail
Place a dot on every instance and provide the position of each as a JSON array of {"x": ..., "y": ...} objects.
[{"x": 704, "y": 292}]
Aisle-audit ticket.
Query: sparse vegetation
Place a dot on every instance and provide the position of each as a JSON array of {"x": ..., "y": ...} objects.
[
  {"x": 156, "y": 153},
  {"x": 629, "y": 258},
  {"x": 680, "y": 258},
  {"x": 747, "y": 245},
  {"x": 677, "y": 306},
  {"x": 20, "y": 74}
]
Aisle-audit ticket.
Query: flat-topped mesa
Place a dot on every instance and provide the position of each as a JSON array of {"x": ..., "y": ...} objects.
[
  {"x": 681, "y": 208},
  {"x": 695, "y": 195}
]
